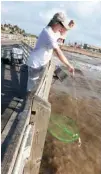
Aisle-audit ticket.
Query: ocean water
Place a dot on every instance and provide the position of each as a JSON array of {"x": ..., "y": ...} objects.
[
  {"x": 90, "y": 66},
  {"x": 88, "y": 82}
]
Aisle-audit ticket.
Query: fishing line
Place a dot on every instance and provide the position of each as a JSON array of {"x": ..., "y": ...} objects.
[
  {"x": 76, "y": 103},
  {"x": 63, "y": 127}
]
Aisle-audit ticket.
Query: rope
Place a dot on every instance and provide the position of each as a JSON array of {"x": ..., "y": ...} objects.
[
  {"x": 76, "y": 103},
  {"x": 70, "y": 134}
]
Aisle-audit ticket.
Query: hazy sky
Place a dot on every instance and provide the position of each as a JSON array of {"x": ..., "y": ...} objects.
[{"x": 33, "y": 16}]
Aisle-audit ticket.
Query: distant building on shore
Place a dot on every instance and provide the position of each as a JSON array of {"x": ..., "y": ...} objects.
[{"x": 92, "y": 48}]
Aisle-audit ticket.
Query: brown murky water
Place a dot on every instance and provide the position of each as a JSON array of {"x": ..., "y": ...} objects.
[{"x": 81, "y": 102}]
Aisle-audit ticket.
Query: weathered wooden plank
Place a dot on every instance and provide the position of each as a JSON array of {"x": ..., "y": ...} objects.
[
  {"x": 9, "y": 124},
  {"x": 10, "y": 42},
  {"x": 7, "y": 113},
  {"x": 26, "y": 153},
  {"x": 12, "y": 143},
  {"x": 42, "y": 83},
  {"x": 40, "y": 115},
  {"x": 27, "y": 46},
  {"x": 48, "y": 81},
  {"x": 21, "y": 157},
  {"x": 45, "y": 84}
]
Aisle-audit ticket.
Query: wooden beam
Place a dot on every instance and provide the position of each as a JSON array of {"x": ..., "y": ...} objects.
[
  {"x": 9, "y": 124},
  {"x": 45, "y": 84},
  {"x": 40, "y": 115},
  {"x": 13, "y": 140},
  {"x": 8, "y": 112}
]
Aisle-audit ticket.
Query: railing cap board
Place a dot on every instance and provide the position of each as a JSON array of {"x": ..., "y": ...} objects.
[{"x": 13, "y": 141}]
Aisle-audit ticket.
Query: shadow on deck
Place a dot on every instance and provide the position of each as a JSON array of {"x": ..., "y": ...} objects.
[{"x": 13, "y": 90}]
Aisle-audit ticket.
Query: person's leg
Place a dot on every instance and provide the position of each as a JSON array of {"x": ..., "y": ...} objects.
[
  {"x": 34, "y": 77},
  {"x": 23, "y": 80},
  {"x": 12, "y": 59}
]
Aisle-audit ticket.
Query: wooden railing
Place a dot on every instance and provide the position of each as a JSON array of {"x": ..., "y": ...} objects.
[
  {"x": 17, "y": 38},
  {"x": 26, "y": 51},
  {"x": 14, "y": 37},
  {"x": 25, "y": 147}
]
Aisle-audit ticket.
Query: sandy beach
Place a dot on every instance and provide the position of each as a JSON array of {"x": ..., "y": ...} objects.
[
  {"x": 80, "y": 99},
  {"x": 82, "y": 51}
]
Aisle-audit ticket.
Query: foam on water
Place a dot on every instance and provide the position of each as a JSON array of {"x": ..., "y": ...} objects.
[
  {"x": 83, "y": 62},
  {"x": 81, "y": 65}
]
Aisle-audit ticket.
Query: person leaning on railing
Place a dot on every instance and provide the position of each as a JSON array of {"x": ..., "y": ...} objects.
[{"x": 45, "y": 45}]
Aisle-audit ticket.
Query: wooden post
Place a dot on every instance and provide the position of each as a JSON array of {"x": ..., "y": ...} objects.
[
  {"x": 13, "y": 141},
  {"x": 40, "y": 115}
]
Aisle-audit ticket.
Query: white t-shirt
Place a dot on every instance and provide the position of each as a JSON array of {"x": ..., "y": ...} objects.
[{"x": 43, "y": 50}]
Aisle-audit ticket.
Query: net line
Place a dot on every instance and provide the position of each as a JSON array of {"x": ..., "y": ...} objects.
[
  {"x": 76, "y": 103},
  {"x": 66, "y": 129}
]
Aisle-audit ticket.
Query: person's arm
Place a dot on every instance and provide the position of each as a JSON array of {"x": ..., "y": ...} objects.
[
  {"x": 52, "y": 42},
  {"x": 63, "y": 59}
]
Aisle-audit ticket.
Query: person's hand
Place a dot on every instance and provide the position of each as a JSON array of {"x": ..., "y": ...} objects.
[{"x": 71, "y": 70}]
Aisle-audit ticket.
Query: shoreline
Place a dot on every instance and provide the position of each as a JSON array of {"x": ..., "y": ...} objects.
[{"x": 81, "y": 51}]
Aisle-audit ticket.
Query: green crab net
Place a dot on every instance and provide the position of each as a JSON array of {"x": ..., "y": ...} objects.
[{"x": 63, "y": 128}]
